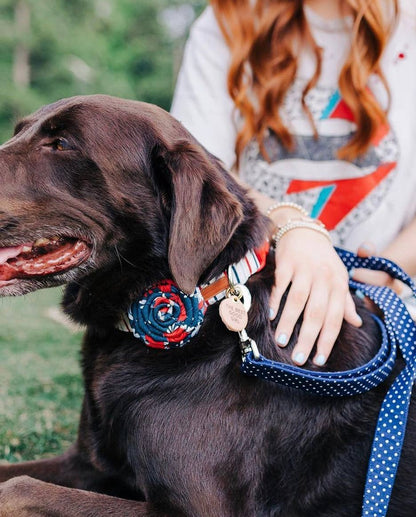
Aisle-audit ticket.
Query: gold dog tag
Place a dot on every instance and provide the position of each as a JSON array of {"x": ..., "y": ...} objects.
[{"x": 233, "y": 314}]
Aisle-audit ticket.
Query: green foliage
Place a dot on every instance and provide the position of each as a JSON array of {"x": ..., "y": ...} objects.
[{"x": 119, "y": 47}]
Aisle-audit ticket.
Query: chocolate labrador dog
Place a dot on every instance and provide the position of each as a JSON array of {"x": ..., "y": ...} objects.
[{"x": 109, "y": 197}]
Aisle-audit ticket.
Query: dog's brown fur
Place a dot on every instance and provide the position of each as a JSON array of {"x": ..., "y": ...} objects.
[{"x": 179, "y": 433}]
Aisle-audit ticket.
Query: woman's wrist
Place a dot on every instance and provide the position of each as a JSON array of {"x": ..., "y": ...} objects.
[
  {"x": 303, "y": 222},
  {"x": 281, "y": 213},
  {"x": 288, "y": 216},
  {"x": 288, "y": 205}
]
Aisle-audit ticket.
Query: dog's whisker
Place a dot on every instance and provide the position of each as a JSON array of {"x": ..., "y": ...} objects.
[
  {"x": 118, "y": 257},
  {"x": 122, "y": 259}
]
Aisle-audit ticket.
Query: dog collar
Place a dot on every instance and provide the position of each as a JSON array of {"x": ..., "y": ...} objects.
[{"x": 166, "y": 317}]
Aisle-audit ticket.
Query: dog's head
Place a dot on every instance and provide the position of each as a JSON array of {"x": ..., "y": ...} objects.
[{"x": 99, "y": 191}]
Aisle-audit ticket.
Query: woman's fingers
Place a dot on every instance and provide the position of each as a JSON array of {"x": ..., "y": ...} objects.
[
  {"x": 283, "y": 277},
  {"x": 334, "y": 317},
  {"x": 350, "y": 312},
  {"x": 367, "y": 276},
  {"x": 323, "y": 317},
  {"x": 366, "y": 249},
  {"x": 294, "y": 306},
  {"x": 313, "y": 320},
  {"x": 318, "y": 288}
]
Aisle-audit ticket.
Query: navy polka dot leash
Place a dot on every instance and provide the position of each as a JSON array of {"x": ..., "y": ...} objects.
[{"x": 398, "y": 332}]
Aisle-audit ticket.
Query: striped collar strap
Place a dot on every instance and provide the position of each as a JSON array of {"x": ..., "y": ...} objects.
[
  {"x": 237, "y": 273},
  {"x": 398, "y": 333},
  {"x": 166, "y": 317}
]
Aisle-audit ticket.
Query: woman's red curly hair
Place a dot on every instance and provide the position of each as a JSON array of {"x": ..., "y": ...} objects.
[{"x": 265, "y": 36}]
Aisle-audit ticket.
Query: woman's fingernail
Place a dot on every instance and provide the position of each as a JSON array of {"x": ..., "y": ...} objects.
[
  {"x": 359, "y": 320},
  {"x": 320, "y": 360},
  {"x": 351, "y": 272},
  {"x": 272, "y": 313},
  {"x": 359, "y": 294},
  {"x": 282, "y": 339},
  {"x": 367, "y": 247},
  {"x": 299, "y": 358}
]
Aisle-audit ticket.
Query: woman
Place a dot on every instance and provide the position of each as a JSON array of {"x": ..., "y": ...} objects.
[{"x": 312, "y": 102}]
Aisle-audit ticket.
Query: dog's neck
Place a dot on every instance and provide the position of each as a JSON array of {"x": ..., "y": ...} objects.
[
  {"x": 163, "y": 302},
  {"x": 166, "y": 317},
  {"x": 89, "y": 303}
]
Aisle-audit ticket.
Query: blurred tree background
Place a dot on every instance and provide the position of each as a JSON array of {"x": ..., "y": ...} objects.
[{"x": 62, "y": 48}]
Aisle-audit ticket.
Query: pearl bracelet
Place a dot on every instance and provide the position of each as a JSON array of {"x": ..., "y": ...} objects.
[
  {"x": 292, "y": 224},
  {"x": 286, "y": 204}
]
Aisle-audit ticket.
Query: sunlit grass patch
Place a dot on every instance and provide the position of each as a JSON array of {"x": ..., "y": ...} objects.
[{"x": 40, "y": 384}]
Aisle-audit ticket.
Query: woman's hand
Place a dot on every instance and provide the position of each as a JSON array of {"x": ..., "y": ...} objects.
[
  {"x": 319, "y": 287},
  {"x": 367, "y": 276}
]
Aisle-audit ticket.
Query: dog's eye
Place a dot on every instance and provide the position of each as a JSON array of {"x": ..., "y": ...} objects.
[{"x": 60, "y": 144}]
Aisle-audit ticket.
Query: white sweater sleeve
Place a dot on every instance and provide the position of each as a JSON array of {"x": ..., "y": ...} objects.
[{"x": 201, "y": 101}]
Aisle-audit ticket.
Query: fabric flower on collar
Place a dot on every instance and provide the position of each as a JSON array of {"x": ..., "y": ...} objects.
[{"x": 166, "y": 317}]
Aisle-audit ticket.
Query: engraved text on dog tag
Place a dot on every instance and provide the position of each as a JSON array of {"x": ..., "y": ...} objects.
[{"x": 233, "y": 314}]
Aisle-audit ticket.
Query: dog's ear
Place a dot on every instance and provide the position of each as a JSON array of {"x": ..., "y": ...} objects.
[{"x": 203, "y": 212}]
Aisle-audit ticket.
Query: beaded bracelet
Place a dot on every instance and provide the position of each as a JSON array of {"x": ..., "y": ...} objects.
[
  {"x": 286, "y": 204},
  {"x": 312, "y": 224}
]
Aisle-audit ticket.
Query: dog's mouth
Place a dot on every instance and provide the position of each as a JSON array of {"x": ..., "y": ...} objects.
[{"x": 45, "y": 256}]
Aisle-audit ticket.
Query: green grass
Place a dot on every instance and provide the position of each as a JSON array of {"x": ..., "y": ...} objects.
[{"x": 40, "y": 384}]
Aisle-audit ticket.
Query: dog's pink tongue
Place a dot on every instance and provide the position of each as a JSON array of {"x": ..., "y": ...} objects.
[{"x": 8, "y": 253}]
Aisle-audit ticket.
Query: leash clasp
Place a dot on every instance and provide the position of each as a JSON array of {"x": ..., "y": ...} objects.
[{"x": 247, "y": 345}]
